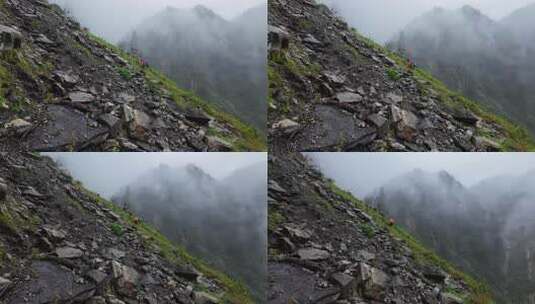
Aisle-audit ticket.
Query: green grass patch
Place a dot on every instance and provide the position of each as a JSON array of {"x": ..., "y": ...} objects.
[
  {"x": 125, "y": 73},
  {"x": 393, "y": 74},
  {"x": 367, "y": 230},
  {"x": 117, "y": 229},
  {"x": 480, "y": 292},
  {"x": 274, "y": 219},
  {"x": 7, "y": 221}
]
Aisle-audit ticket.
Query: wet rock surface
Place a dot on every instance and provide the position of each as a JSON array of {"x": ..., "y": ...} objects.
[
  {"x": 65, "y": 90},
  {"x": 343, "y": 94},
  {"x": 325, "y": 249},
  {"x": 59, "y": 244}
]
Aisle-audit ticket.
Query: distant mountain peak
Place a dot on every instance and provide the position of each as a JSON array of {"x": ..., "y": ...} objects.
[
  {"x": 470, "y": 10},
  {"x": 204, "y": 12}
]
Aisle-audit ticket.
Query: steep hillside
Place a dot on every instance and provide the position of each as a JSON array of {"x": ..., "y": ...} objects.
[
  {"x": 325, "y": 246},
  {"x": 332, "y": 89},
  {"x": 62, "y": 88},
  {"x": 60, "y": 243},
  {"x": 221, "y": 221},
  {"x": 487, "y": 230},
  {"x": 489, "y": 61},
  {"x": 222, "y": 61}
]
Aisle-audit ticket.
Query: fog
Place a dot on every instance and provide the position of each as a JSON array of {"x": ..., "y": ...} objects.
[
  {"x": 212, "y": 204},
  {"x": 113, "y": 19},
  {"x": 362, "y": 173},
  {"x": 382, "y": 19},
  {"x": 475, "y": 210},
  {"x": 107, "y": 173}
]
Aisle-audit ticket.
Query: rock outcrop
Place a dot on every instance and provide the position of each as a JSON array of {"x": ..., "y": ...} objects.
[
  {"x": 60, "y": 243},
  {"x": 61, "y": 88},
  {"x": 342, "y": 92},
  {"x": 327, "y": 247}
]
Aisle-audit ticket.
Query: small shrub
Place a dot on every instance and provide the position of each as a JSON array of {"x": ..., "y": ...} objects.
[
  {"x": 117, "y": 229},
  {"x": 368, "y": 230},
  {"x": 393, "y": 74},
  {"x": 125, "y": 73}
]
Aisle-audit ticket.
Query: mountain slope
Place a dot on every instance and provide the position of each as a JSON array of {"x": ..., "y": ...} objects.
[
  {"x": 64, "y": 89},
  {"x": 489, "y": 61},
  {"x": 486, "y": 230},
  {"x": 221, "y": 222},
  {"x": 60, "y": 243},
  {"x": 222, "y": 61},
  {"x": 332, "y": 89},
  {"x": 324, "y": 242}
]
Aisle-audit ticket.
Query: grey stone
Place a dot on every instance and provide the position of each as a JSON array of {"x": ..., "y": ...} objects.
[
  {"x": 4, "y": 283},
  {"x": 44, "y": 40},
  {"x": 55, "y": 234},
  {"x": 311, "y": 40},
  {"x": 335, "y": 78},
  {"x": 81, "y": 97},
  {"x": 394, "y": 98},
  {"x": 30, "y": 191},
  {"x": 373, "y": 281},
  {"x": 109, "y": 120},
  {"x": 201, "y": 297},
  {"x": 126, "y": 98},
  {"x": 342, "y": 279},
  {"x": 313, "y": 254},
  {"x": 18, "y": 124},
  {"x": 66, "y": 78},
  {"x": 286, "y": 125},
  {"x": 69, "y": 253},
  {"x": 96, "y": 275},
  {"x": 349, "y": 97},
  {"x": 126, "y": 279},
  {"x": 377, "y": 120},
  {"x": 274, "y": 186}
]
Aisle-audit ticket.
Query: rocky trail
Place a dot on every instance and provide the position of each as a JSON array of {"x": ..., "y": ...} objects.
[
  {"x": 334, "y": 90},
  {"x": 327, "y": 247},
  {"x": 60, "y": 243},
  {"x": 63, "y": 89}
]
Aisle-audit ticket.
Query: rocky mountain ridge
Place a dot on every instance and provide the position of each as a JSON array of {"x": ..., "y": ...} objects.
[
  {"x": 60, "y": 243},
  {"x": 223, "y": 61},
  {"x": 64, "y": 89},
  {"x": 221, "y": 221},
  {"x": 334, "y": 90},
  {"x": 325, "y": 246},
  {"x": 488, "y": 60},
  {"x": 486, "y": 229}
]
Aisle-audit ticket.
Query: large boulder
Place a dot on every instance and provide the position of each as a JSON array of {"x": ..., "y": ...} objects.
[
  {"x": 126, "y": 279},
  {"x": 372, "y": 281},
  {"x": 10, "y": 38}
]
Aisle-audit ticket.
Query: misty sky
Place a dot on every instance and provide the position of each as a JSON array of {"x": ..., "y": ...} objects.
[
  {"x": 113, "y": 19},
  {"x": 381, "y": 19},
  {"x": 362, "y": 173},
  {"x": 107, "y": 173}
]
